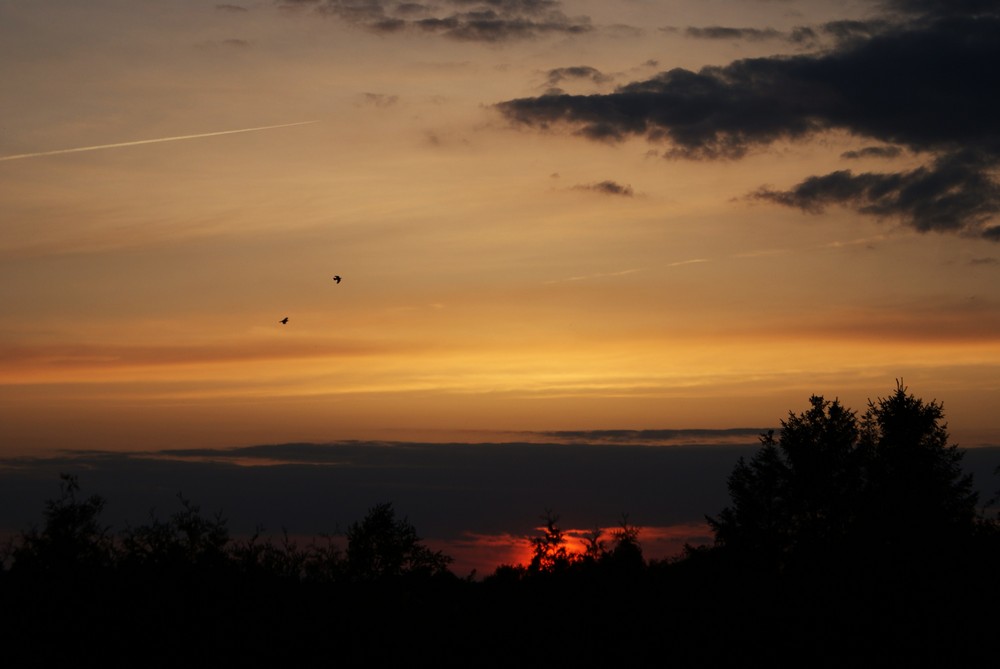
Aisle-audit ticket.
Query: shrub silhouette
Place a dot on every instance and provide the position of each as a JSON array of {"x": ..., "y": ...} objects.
[
  {"x": 549, "y": 554},
  {"x": 186, "y": 541},
  {"x": 382, "y": 546},
  {"x": 72, "y": 540}
]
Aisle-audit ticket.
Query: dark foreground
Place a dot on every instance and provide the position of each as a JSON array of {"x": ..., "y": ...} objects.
[{"x": 848, "y": 542}]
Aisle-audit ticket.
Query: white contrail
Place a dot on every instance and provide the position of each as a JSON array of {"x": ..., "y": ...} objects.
[{"x": 149, "y": 141}]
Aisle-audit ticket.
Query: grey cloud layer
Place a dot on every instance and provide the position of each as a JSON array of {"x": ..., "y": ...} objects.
[
  {"x": 811, "y": 36},
  {"x": 463, "y": 20},
  {"x": 445, "y": 489},
  {"x": 927, "y": 82}
]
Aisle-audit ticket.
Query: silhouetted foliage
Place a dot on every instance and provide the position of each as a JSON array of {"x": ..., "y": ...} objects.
[
  {"x": 847, "y": 542},
  {"x": 915, "y": 486},
  {"x": 799, "y": 491},
  {"x": 594, "y": 547},
  {"x": 626, "y": 551},
  {"x": 549, "y": 552},
  {"x": 186, "y": 541},
  {"x": 72, "y": 539},
  {"x": 381, "y": 547},
  {"x": 831, "y": 481}
]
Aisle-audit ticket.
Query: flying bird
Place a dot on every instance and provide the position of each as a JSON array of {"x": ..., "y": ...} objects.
[
  {"x": 284, "y": 321},
  {"x": 337, "y": 278}
]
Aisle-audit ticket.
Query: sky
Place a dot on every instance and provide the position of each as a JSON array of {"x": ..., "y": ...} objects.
[{"x": 548, "y": 216}]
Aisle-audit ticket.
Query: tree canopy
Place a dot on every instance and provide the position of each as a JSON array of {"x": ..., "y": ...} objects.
[{"x": 833, "y": 482}]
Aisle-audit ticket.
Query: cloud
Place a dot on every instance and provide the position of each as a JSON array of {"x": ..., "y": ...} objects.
[
  {"x": 607, "y": 188},
  {"x": 462, "y": 20},
  {"x": 840, "y": 32},
  {"x": 720, "y": 32},
  {"x": 448, "y": 490},
  {"x": 455, "y": 494},
  {"x": 379, "y": 100},
  {"x": 845, "y": 31},
  {"x": 558, "y": 75},
  {"x": 955, "y": 193},
  {"x": 924, "y": 83},
  {"x": 874, "y": 152},
  {"x": 943, "y": 8},
  {"x": 686, "y": 436},
  {"x": 230, "y": 8}
]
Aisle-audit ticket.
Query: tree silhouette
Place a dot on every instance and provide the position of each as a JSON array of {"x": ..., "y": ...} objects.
[
  {"x": 549, "y": 552},
  {"x": 830, "y": 481},
  {"x": 72, "y": 541},
  {"x": 626, "y": 551},
  {"x": 915, "y": 487},
  {"x": 381, "y": 547},
  {"x": 799, "y": 490}
]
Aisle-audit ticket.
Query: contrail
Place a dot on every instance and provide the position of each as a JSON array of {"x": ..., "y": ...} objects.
[{"x": 149, "y": 141}]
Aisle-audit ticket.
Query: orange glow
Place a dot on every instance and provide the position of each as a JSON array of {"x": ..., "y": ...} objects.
[
  {"x": 485, "y": 284},
  {"x": 484, "y": 553}
]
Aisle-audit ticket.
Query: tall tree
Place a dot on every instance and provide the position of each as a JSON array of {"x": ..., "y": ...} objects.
[
  {"x": 830, "y": 482},
  {"x": 916, "y": 491}
]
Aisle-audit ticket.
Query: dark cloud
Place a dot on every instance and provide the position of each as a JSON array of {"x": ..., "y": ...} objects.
[
  {"x": 928, "y": 84},
  {"x": 845, "y": 31},
  {"x": 697, "y": 436},
  {"x": 873, "y": 152},
  {"x": 955, "y": 193},
  {"x": 556, "y": 76},
  {"x": 943, "y": 8},
  {"x": 463, "y": 20},
  {"x": 720, "y": 32},
  {"x": 411, "y": 9},
  {"x": 531, "y": 7},
  {"x": 230, "y": 8},
  {"x": 608, "y": 188},
  {"x": 802, "y": 35},
  {"x": 446, "y": 489},
  {"x": 840, "y": 32}
]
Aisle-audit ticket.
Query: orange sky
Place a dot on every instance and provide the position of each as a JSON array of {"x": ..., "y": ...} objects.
[{"x": 489, "y": 282}]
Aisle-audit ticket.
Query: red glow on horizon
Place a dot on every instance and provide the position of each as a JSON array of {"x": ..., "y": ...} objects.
[{"x": 483, "y": 553}]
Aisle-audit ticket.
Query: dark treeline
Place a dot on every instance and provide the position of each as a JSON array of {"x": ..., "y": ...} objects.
[{"x": 849, "y": 540}]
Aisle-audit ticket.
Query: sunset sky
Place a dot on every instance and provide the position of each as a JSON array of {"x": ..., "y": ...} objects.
[{"x": 548, "y": 215}]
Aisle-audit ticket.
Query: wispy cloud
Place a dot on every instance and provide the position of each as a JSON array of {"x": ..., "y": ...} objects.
[
  {"x": 607, "y": 187},
  {"x": 721, "y": 32},
  {"x": 491, "y": 21},
  {"x": 873, "y": 152},
  {"x": 556, "y": 76}
]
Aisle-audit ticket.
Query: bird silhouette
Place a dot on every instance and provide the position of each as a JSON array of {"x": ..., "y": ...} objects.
[
  {"x": 284, "y": 321},
  {"x": 337, "y": 278}
]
